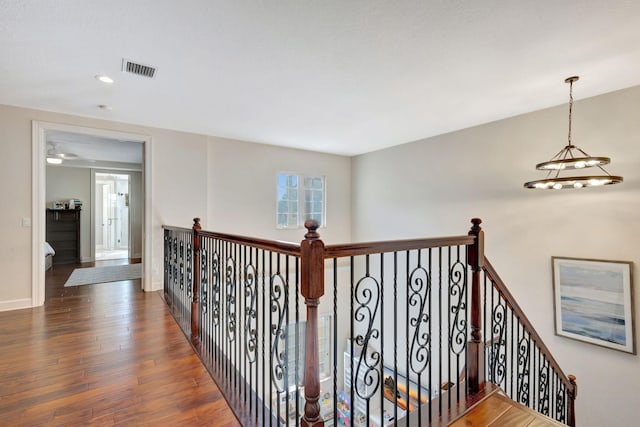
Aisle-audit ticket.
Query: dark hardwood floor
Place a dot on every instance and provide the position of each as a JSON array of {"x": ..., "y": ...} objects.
[{"x": 105, "y": 354}]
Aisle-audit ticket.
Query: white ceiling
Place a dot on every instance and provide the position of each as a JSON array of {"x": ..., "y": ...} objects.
[
  {"x": 89, "y": 147},
  {"x": 336, "y": 76}
]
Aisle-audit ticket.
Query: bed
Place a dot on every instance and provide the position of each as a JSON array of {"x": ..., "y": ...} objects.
[{"x": 48, "y": 256}]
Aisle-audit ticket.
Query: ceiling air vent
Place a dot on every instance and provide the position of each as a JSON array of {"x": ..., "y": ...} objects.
[{"x": 138, "y": 69}]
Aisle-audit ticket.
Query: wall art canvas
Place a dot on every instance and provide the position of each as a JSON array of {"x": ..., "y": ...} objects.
[{"x": 593, "y": 301}]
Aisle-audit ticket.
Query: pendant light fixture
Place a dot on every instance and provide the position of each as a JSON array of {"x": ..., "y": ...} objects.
[{"x": 572, "y": 157}]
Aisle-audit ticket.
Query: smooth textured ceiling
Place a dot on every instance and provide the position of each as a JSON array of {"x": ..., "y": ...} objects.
[{"x": 336, "y": 76}]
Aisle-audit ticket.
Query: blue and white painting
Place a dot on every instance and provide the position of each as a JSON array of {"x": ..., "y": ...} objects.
[{"x": 594, "y": 302}]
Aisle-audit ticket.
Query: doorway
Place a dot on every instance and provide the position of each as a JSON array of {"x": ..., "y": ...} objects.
[
  {"x": 112, "y": 219},
  {"x": 40, "y": 130}
]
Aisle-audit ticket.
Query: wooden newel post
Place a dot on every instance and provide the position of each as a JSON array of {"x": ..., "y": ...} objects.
[
  {"x": 195, "y": 274},
  {"x": 572, "y": 393},
  {"x": 475, "y": 348},
  {"x": 312, "y": 288}
]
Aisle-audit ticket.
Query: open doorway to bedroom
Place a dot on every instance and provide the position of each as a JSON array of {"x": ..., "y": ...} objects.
[{"x": 68, "y": 185}]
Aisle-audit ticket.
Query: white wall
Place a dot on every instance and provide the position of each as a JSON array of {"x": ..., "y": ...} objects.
[
  {"x": 433, "y": 187},
  {"x": 15, "y": 179},
  {"x": 242, "y": 188}
]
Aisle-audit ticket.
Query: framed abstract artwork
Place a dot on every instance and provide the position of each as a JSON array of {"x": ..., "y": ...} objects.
[{"x": 593, "y": 301}]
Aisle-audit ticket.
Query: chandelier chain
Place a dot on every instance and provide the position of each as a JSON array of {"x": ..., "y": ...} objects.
[{"x": 570, "y": 109}]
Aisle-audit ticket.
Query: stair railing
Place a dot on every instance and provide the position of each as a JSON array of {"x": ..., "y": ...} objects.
[
  {"x": 517, "y": 358},
  {"x": 401, "y": 324}
]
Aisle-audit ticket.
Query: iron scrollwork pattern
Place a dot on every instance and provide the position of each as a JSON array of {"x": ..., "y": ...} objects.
[
  {"x": 543, "y": 390},
  {"x": 279, "y": 308},
  {"x": 497, "y": 360},
  {"x": 420, "y": 287},
  {"x": 204, "y": 280},
  {"x": 167, "y": 248},
  {"x": 251, "y": 325},
  {"x": 523, "y": 371},
  {"x": 560, "y": 404},
  {"x": 230, "y": 280},
  {"x": 215, "y": 289},
  {"x": 457, "y": 292},
  {"x": 182, "y": 272},
  {"x": 367, "y": 293},
  {"x": 174, "y": 252},
  {"x": 189, "y": 273}
]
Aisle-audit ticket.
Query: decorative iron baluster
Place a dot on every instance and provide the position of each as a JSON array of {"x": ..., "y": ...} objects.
[
  {"x": 560, "y": 402},
  {"x": 365, "y": 295},
  {"x": 166, "y": 267},
  {"x": 204, "y": 281},
  {"x": 498, "y": 356},
  {"x": 215, "y": 288},
  {"x": 420, "y": 286},
  {"x": 181, "y": 256},
  {"x": 174, "y": 264},
  {"x": 543, "y": 388},
  {"x": 457, "y": 291},
  {"x": 189, "y": 273},
  {"x": 251, "y": 328},
  {"x": 230, "y": 280},
  {"x": 279, "y": 366},
  {"x": 523, "y": 370}
]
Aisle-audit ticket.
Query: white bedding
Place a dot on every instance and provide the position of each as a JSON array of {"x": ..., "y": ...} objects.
[{"x": 48, "y": 250}]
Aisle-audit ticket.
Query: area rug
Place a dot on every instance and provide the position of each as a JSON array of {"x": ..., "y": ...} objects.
[{"x": 106, "y": 274}]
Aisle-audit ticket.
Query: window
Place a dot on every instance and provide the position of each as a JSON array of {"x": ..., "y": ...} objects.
[{"x": 300, "y": 197}]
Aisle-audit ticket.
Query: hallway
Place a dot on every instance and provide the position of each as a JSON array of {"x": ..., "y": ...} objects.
[{"x": 105, "y": 354}]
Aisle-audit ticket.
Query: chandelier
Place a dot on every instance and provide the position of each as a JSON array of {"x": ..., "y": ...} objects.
[{"x": 572, "y": 157}]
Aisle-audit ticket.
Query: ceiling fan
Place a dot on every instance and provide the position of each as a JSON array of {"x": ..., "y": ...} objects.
[{"x": 55, "y": 156}]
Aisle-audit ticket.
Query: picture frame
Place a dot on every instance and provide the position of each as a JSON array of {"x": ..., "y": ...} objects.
[{"x": 593, "y": 302}]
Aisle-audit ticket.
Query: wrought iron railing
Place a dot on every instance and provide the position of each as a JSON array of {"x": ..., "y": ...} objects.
[
  {"x": 178, "y": 279},
  {"x": 394, "y": 338},
  {"x": 517, "y": 359}
]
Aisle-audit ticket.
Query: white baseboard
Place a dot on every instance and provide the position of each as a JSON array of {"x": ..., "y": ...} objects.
[
  {"x": 15, "y": 304},
  {"x": 86, "y": 259},
  {"x": 138, "y": 255}
]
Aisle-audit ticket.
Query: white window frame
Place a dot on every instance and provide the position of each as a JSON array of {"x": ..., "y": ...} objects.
[{"x": 302, "y": 211}]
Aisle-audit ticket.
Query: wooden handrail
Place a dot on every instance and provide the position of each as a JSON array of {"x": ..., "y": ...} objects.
[
  {"x": 286, "y": 248},
  {"x": 367, "y": 248},
  {"x": 172, "y": 228},
  {"x": 511, "y": 302},
  {"x": 338, "y": 250}
]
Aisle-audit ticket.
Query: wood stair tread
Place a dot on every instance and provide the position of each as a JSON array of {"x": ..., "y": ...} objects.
[{"x": 497, "y": 410}]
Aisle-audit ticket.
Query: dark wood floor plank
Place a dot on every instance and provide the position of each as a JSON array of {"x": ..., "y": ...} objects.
[{"x": 104, "y": 355}]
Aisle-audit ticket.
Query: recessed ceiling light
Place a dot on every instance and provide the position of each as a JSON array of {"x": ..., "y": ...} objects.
[
  {"x": 104, "y": 78},
  {"x": 105, "y": 107},
  {"x": 54, "y": 160}
]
